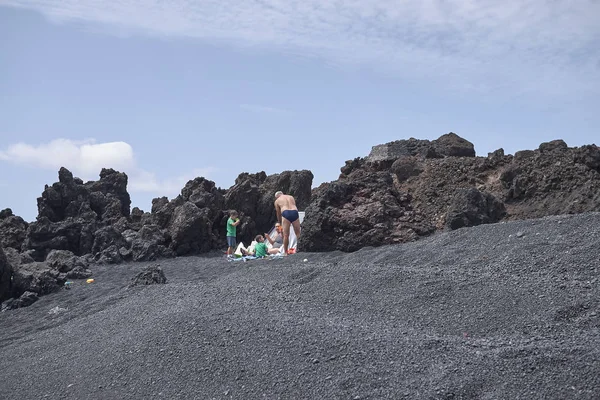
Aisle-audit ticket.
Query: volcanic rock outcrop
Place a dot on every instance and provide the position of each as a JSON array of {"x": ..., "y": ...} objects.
[
  {"x": 152, "y": 275},
  {"x": 410, "y": 188},
  {"x": 13, "y": 229},
  {"x": 25, "y": 300},
  {"x": 470, "y": 207},
  {"x": 93, "y": 219},
  {"x": 449, "y": 145},
  {"x": 70, "y": 212},
  {"x": 5, "y": 277},
  {"x": 67, "y": 263}
]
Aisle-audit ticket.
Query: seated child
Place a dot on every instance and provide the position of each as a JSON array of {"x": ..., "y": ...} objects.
[{"x": 261, "y": 249}]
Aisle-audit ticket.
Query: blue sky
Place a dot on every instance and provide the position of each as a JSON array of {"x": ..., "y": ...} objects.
[{"x": 167, "y": 91}]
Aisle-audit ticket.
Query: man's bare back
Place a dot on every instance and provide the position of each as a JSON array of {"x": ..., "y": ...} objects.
[{"x": 285, "y": 202}]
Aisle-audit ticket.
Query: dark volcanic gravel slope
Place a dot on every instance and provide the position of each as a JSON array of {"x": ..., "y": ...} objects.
[{"x": 502, "y": 311}]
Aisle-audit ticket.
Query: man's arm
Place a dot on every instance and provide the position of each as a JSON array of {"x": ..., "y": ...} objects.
[
  {"x": 269, "y": 238},
  {"x": 236, "y": 223},
  {"x": 278, "y": 209}
]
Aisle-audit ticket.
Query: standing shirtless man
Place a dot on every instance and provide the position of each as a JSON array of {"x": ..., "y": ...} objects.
[{"x": 287, "y": 214}]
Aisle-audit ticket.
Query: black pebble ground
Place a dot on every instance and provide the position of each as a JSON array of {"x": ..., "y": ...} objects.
[{"x": 504, "y": 311}]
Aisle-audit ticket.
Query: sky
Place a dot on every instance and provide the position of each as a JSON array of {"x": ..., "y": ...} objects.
[{"x": 170, "y": 90}]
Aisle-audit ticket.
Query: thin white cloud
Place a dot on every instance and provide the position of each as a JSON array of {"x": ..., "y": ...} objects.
[
  {"x": 263, "y": 109},
  {"x": 86, "y": 158},
  {"x": 499, "y": 47}
]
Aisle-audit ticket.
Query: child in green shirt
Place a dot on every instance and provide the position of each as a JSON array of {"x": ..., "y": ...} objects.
[
  {"x": 260, "y": 249},
  {"x": 232, "y": 222}
]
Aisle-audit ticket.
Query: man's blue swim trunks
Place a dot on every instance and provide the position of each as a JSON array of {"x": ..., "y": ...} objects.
[{"x": 290, "y": 215}]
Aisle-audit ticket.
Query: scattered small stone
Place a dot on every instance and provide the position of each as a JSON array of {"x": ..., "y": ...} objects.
[
  {"x": 520, "y": 234},
  {"x": 149, "y": 276},
  {"x": 57, "y": 310}
]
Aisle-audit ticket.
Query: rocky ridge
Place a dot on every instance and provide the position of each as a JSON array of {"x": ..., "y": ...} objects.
[{"x": 411, "y": 188}]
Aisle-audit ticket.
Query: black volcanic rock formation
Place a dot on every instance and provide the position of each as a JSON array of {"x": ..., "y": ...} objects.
[
  {"x": 6, "y": 273},
  {"x": 409, "y": 188},
  {"x": 470, "y": 207},
  {"x": 13, "y": 229},
  {"x": 70, "y": 212},
  {"x": 152, "y": 275}
]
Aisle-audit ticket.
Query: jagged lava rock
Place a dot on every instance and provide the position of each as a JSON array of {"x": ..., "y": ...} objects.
[
  {"x": 13, "y": 229},
  {"x": 25, "y": 300},
  {"x": 66, "y": 262},
  {"x": 470, "y": 207},
  {"x": 150, "y": 243},
  {"x": 70, "y": 212},
  {"x": 190, "y": 229},
  {"x": 37, "y": 277},
  {"x": 151, "y": 275},
  {"x": 6, "y": 272},
  {"x": 436, "y": 179},
  {"x": 364, "y": 210},
  {"x": 75, "y": 235},
  {"x": 448, "y": 145},
  {"x": 113, "y": 186}
]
